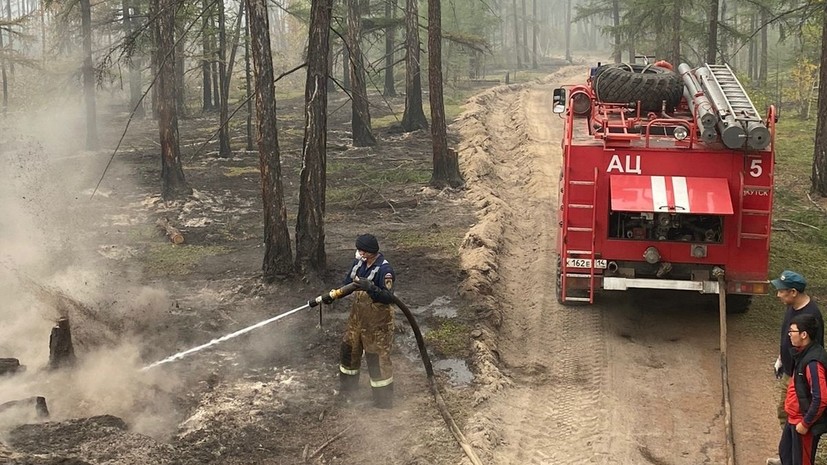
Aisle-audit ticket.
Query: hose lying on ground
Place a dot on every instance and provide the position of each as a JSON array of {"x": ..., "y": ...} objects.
[{"x": 432, "y": 383}]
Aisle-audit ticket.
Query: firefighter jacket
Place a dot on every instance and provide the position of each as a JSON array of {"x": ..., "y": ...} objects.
[
  {"x": 807, "y": 392},
  {"x": 380, "y": 273}
]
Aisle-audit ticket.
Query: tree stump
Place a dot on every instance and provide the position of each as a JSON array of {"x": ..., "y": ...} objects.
[
  {"x": 39, "y": 403},
  {"x": 61, "y": 350},
  {"x": 171, "y": 231},
  {"x": 10, "y": 365}
]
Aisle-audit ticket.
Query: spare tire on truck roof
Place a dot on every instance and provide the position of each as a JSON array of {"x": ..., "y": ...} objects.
[{"x": 627, "y": 83}]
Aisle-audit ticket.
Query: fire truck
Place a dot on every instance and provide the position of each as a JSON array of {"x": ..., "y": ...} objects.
[{"x": 666, "y": 183}]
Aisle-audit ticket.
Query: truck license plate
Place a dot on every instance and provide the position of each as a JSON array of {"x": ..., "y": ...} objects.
[{"x": 585, "y": 263}]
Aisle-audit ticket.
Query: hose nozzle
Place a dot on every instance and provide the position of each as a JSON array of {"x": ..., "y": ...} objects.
[{"x": 333, "y": 295}]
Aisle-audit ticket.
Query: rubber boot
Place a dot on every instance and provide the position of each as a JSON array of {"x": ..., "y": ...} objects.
[
  {"x": 348, "y": 385},
  {"x": 383, "y": 396}
]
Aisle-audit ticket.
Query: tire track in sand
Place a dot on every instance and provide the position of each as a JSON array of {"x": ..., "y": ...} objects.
[{"x": 551, "y": 414}]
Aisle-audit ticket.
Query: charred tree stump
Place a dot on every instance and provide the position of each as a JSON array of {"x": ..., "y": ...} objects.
[
  {"x": 10, "y": 365},
  {"x": 61, "y": 350},
  {"x": 39, "y": 403},
  {"x": 172, "y": 232}
]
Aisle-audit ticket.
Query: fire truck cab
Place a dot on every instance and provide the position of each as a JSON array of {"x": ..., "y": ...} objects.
[{"x": 666, "y": 183}]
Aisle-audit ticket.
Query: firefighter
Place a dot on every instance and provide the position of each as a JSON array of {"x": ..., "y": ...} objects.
[{"x": 370, "y": 325}]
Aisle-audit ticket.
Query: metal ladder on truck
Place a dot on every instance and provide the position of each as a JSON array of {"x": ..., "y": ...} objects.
[
  {"x": 755, "y": 230},
  {"x": 738, "y": 101},
  {"x": 570, "y": 230},
  {"x": 753, "y": 223}
]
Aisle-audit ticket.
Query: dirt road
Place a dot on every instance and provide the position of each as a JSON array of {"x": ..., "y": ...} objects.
[{"x": 634, "y": 379}]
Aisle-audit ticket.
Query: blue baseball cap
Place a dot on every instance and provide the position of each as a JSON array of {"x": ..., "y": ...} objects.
[{"x": 790, "y": 280}]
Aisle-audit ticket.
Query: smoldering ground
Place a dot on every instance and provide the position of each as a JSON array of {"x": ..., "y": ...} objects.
[{"x": 50, "y": 268}]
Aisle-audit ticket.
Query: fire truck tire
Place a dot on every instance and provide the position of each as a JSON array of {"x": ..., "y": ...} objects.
[
  {"x": 737, "y": 303},
  {"x": 649, "y": 84}
]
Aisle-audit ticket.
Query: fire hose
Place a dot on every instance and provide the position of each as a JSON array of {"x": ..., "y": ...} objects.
[
  {"x": 426, "y": 360},
  {"x": 329, "y": 297}
]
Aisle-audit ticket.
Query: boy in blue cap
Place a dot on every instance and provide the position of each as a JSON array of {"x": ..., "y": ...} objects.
[{"x": 790, "y": 290}]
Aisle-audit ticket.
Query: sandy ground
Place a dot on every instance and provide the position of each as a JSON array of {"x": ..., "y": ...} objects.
[{"x": 633, "y": 379}]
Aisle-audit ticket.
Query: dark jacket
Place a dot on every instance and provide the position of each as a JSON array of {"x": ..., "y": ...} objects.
[
  {"x": 786, "y": 348},
  {"x": 806, "y": 391}
]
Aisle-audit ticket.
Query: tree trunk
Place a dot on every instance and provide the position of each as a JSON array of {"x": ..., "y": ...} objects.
[
  {"x": 723, "y": 49},
  {"x": 135, "y": 63},
  {"x": 751, "y": 60},
  {"x": 568, "y": 31},
  {"x": 390, "y": 36},
  {"x": 345, "y": 67},
  {"x": 172, "y": 174},
  {"x": 88, "y": 76},
  {"x": 331, "y": 65},
  {"x": 712, "y": 38},
  {"x": 310, "y": 251},
  {"x": 224, "y": 150},
  {"x": 446, "y": 165},
  {"x": 278, "y": 258},
  {"x": 516, "y": 36},
  {"x": 617, "y": 34},
  {"x": 216, "y": 80},
  {"x": 676, "y": 33},
  {"x": 763, "y": 65},
  {"x": 206, "y": 71},
  {"x": 11, "y": 36},
  {"x": 360, "y": 110},
  {"x": 4, "y": 77},
  {"x": 247, "y": 79},
  {"x": 414, "y": 116},
  {"x": 819, "y": 178},
  {"x": 524, "y": 21},
  {"x": 534, "y": 34},
  {"x": 179, "y": 44}
]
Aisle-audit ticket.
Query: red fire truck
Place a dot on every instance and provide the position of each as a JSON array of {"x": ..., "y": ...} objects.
[{"x": 666, "y": 183}]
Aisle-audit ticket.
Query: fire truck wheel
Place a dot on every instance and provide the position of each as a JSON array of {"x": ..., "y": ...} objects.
[
  {"x": 649, "y": 84},
  {"x": 738, "y": 303}
]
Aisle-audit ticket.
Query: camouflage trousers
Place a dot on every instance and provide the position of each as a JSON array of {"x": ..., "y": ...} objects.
[{"x": 369, "y": 331}]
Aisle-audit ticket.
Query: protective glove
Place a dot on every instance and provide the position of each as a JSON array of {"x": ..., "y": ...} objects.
[
  {"x": 365, "y": 284},
  {"x": 779, "y": 372},
  {"x": 326, "y": 299}
]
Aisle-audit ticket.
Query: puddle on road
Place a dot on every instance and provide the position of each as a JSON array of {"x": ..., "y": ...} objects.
[
  {"x": 441, "y": 307},
  {"x": 456, "y": 369}
]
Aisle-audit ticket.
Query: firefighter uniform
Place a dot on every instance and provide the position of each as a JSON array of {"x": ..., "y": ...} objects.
[{"x": 370, "y": 325}]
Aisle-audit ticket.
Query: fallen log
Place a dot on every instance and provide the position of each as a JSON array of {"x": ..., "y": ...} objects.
[
  {"x": 38, "y": 402},
  {"x": 61, "y": 350},
  {"x": 171, "y": 231},
  {"x": 10, "y": 366}
]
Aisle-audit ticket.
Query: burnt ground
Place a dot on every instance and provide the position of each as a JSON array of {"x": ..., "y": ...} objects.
[{"x": 133, "y": 298}]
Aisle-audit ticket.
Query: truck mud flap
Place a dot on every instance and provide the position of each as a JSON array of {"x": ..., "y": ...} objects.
[{"x": 622, "y": 284}]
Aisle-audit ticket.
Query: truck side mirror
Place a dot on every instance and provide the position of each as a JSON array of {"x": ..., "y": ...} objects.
[{"x": 559, "y": 100}]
